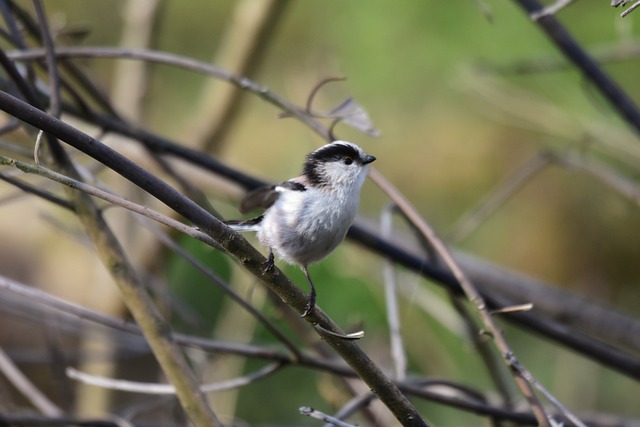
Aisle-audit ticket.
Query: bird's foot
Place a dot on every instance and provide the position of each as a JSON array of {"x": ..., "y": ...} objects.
[
  {"x": 311, "y": 302},
  {"x": 269, "y": 264},
  {"x": 310, "y": 305}
]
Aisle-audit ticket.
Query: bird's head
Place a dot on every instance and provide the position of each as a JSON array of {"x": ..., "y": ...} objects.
[{"x": 339, "y": 163}]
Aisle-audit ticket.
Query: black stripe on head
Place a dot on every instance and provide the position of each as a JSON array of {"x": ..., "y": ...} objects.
[{"x": 334, "y": 152}]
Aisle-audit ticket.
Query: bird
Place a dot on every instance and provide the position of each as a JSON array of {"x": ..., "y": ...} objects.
[{"x": 305, "y": 218}]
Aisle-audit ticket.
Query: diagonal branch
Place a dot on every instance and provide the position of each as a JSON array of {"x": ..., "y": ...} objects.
[
  {"x": 583, "y": 62},
  {"x": 233, "y": 243},
  {"x": 566, "y": 336},
  {"x": 469, "y": 289}
]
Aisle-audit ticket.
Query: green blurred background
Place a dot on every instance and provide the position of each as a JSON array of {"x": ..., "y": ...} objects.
[{"x": 435, "y": 78}]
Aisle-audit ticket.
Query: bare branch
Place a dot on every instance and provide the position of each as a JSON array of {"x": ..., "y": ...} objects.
[
  {"x": 54, "y": 80},
  {"x": 391, "y": 299},
  {"x": 27, "y": 388},
  {"x": 314, "y": 413},
  {"x": 233, "y": 243},
  {"x": 469, "y": 289},
  {"x": 111, "y": 198},
  {"x": 497, "y": 198},
  {"x": 152, "y": 388},
  {"x": 619, "y": 100}
]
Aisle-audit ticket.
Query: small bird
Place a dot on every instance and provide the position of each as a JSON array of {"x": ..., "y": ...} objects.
[{"x": 307, "y": 217}]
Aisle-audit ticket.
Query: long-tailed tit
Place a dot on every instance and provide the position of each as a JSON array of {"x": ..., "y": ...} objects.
[{"x": 307, "y": 217}]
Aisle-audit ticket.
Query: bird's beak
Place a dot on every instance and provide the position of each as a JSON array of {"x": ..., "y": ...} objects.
[{"x": 368, "y": 159}]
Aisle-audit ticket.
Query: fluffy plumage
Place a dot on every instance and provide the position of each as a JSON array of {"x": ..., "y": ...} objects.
[{"x": 307, "y": 217}]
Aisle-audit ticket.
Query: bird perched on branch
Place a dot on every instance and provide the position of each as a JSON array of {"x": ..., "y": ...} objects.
[{"x": 307, "y": 217}]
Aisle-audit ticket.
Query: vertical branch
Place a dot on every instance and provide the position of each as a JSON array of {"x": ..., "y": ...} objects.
[
  {"x": 391, "y": 300},
  {"x": 244, "y": 44},
  {"x": 488, "y": 358},
  {"x": 146, "y": 314},
  {"x": 130, "y": 78},
  {"x": 113, "y": 257},
  {"x": 52, "y": 68}
]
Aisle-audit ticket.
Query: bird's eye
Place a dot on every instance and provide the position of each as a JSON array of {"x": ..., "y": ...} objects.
[{"x": 348, "y": 160}]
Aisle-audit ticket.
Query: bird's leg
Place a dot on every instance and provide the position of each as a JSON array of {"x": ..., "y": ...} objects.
[
  {"x": 312, "y": 303},
  {"x": 269, "y": 263},
  {"x": 312, "y": 295}
]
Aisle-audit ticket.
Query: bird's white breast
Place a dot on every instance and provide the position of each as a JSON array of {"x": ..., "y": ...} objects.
[{"x": 303, "y": 227}]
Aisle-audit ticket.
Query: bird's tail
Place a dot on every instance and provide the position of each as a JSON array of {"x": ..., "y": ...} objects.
[{"x": 252, "y": 224}]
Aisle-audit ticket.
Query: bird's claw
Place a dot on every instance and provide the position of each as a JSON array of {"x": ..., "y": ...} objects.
[
  {"x": 310, "y": 305},
  {"x": 307, "y": 310},
  {"x": 269, "y": 264}
]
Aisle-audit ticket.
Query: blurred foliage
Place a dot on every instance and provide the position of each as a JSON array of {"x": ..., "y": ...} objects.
[{"x": 192, "y": 288}]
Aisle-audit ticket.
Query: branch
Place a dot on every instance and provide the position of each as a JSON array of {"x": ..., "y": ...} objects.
[
  {"x": 113, "y": 257},
  {"x": 27, "y": 388},
  {"x": 34, "y": 297},
  {"x": 186, "y": 64},
  {"x": 233, "y": 243},
  {"x": 149, "y": 213},
  {"x": 159, "y": 389},
  {"x": 583, "y": 62},
  {"x": 469, "y": 289}
]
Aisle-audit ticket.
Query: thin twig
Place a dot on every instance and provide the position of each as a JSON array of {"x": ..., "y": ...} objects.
[
  {"x": 469, "y": 289},
  {"x": 184, "y": 63},
  {"x": 154, "y": 388},
  {"x": 111, "y": 198},
  {"x": 551, "y": 9},
  {"x": 559, "y": 35},
  {"x": 312, "y": 95},
  {"x": 38, "y": 191},
  {"x": 54, "y": 79},
  {"x": 488, "y": 357},
  {"x": 207, "y": 272},
  {"x": 497, "y": 197},
  {"x": 481, "y": 344},
  {"x": 515, "y": 364},
  {"x": 27, "y": 388},
  {"x": 314, "y": 413},
  {"x": 609, "y": 176},
  {"x": 630, "y": 9},
  {"x": 353, "y": 405},
  {"x": 391, "y": 300}
]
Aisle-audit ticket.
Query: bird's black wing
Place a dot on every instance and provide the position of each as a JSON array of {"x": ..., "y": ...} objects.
[{"x": 265, "y": 197}]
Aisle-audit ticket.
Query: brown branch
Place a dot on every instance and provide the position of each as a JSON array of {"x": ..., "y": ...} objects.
[{"x": 469, "y": 289}]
